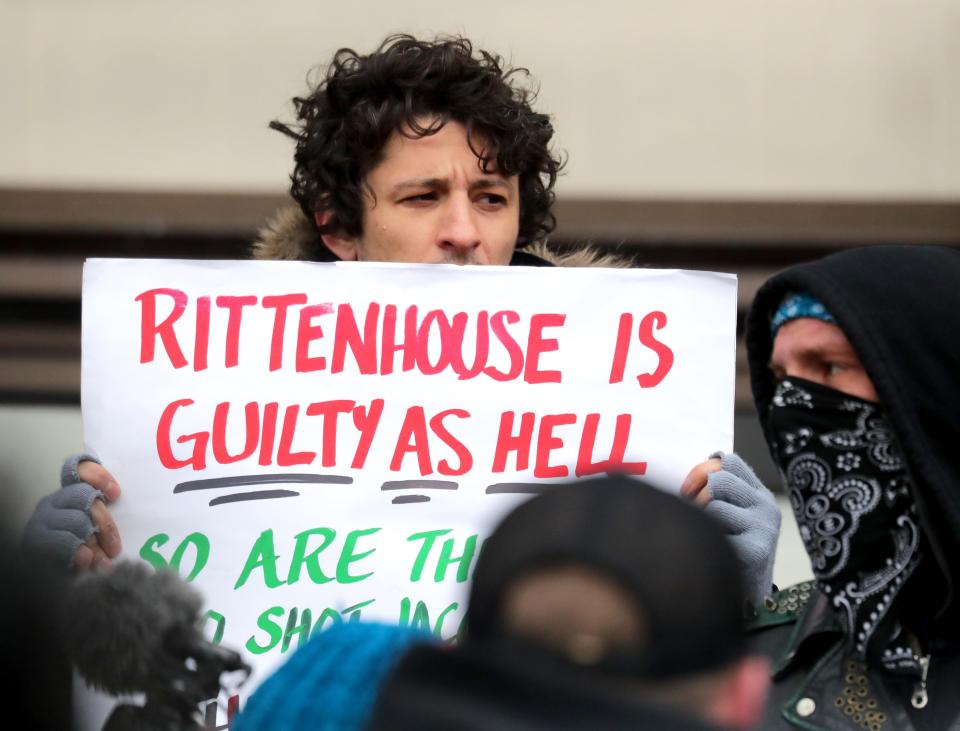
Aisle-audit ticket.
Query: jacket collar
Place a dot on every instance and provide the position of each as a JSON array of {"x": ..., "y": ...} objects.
[{"x": 816, "y": 620}]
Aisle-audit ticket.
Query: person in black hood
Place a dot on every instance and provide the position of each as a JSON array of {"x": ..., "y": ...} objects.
[{"x": 853, "y": 362}]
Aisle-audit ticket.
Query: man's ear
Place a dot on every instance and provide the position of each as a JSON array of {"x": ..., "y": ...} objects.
[
  {"x": 743, "y": 695},
  {"x": 345, "y": 248}
]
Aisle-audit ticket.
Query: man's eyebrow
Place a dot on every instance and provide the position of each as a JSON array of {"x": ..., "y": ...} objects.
[
  {"x": 491, "y": 182},
  {"x": 814, "y": 352},
  {"x": 419, "y": 183},
  {"x": 443, "y": 183}
]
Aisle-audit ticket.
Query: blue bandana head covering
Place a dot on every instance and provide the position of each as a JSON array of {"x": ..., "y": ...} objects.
[{"x": 798, "y": 304}]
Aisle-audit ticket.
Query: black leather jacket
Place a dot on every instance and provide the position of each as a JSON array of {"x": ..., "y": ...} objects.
[{"x": 816, "y": 687}]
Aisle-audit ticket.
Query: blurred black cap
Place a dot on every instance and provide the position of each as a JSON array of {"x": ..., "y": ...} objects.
[{"x": 667, "y": 554}]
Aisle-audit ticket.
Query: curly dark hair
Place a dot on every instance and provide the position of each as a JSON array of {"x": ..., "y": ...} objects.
[{"x": 361, "y": 101}]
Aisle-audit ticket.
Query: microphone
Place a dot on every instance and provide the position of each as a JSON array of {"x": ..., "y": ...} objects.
[{"x": 137, "y": 630}]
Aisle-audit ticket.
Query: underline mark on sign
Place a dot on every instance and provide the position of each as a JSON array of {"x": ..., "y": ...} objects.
[
  {"x": 401, "y": 499},
  {"x": 516, "y": 488},
  {"x": 238, "y": 497},
  {"x": 244, "y": 480},
  {"x": 416, "y": 485}
]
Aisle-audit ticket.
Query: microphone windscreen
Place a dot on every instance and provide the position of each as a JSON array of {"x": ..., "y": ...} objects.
[{"x": 116, "y": 622}]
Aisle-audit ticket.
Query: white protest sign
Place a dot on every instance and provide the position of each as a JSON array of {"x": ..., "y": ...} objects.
[{"x": 315, "y": 443}]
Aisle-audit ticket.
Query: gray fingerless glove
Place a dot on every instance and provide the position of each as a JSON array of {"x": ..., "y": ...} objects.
[
  {"x": 749, "y": 515},
  {"x": 61, "y": 521}
]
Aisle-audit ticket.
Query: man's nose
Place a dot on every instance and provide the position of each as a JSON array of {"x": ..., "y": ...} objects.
[{"x": 458, "y": 229}]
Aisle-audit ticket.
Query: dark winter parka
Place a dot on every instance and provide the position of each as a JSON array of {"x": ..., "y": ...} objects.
[{"x": 900, "y": 309}]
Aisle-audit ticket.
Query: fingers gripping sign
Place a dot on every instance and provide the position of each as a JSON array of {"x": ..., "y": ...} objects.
[
  {"x": 103, "y": 544},
  {"x": 73, "y": 525},
  {"x": 695, "y": 487},
  {"x": 727, "y": 489}
]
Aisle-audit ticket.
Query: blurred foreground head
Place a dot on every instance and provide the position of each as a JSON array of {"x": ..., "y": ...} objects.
[
  {"x": 632, "y": 582},
  {"x": 593, "y": 605}
]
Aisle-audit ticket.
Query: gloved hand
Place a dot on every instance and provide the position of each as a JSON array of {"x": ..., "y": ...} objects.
[
  {"x": 72, "y": 526},
  {"x": 747, "y": 511}
]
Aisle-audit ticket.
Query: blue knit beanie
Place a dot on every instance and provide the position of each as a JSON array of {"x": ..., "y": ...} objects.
[
  {"x": 331, "y": 683},
  {"x": 796, "y": 305}
]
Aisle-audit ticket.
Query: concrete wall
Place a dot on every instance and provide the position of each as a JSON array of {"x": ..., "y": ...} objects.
[{"x": 741, "y": 98}]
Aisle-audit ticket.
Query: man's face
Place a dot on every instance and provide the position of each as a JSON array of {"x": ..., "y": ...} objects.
[
  {"x": 432, "y": 203},
  {"x": 819, "y": 351}
]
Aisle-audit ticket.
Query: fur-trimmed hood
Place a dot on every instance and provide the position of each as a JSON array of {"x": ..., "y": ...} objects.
[{"x": 291, "y": 235}]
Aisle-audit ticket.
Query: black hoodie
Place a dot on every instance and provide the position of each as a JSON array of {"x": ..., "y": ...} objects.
[{"x": 899, "y": 307}]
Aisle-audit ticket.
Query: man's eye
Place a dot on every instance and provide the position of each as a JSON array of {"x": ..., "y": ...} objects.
[
  {"x": 420, "y": 198},
  {"x": 492, "y": 199},
  {"x": 834, "y": 369}
]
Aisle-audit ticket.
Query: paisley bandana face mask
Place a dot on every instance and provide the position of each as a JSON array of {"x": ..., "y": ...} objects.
[{"x": 851, "y": 495}]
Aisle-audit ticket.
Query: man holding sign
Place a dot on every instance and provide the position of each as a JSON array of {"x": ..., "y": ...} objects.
[{"x": 421, "y": 152}]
